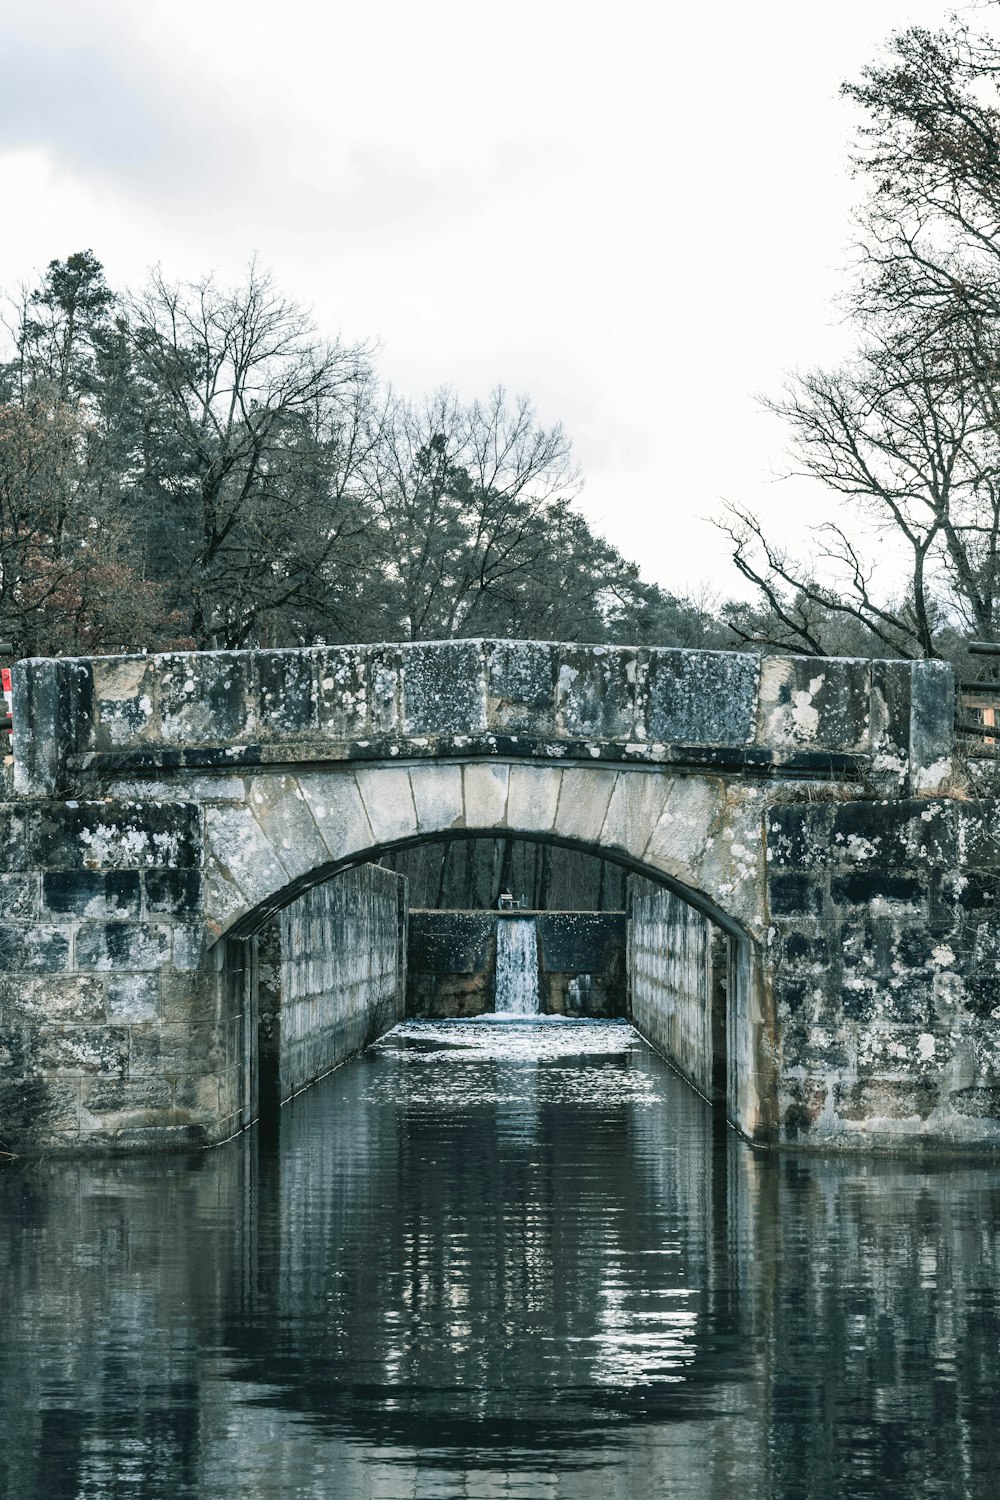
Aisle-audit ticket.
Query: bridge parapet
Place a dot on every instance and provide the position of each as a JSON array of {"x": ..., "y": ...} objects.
[{"x": 890, "y": 722}]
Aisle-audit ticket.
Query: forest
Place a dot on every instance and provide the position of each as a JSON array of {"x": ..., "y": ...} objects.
[{"x": 194, "y": 465}]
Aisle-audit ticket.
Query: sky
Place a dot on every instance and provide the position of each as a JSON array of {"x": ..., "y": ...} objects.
[{"x": 640, "y": 215}]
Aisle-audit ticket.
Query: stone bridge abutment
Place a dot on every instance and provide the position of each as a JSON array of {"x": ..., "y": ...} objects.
[{"x": 167, "y": 808}]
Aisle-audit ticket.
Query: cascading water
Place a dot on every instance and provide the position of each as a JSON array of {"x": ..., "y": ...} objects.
[{"x": 516, "y": 992}]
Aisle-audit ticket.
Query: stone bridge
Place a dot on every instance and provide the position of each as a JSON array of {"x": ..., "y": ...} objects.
[{"x": 165, "y": 808}]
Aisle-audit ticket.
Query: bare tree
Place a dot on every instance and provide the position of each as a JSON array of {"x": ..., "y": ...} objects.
[
  {"x": 462, "y": 499},
  {"x": 253, "y": 430},
  {"x": 907, "y": 435}
]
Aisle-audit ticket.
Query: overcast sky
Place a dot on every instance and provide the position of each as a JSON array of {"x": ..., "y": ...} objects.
[{"x": 639, "y": 214}]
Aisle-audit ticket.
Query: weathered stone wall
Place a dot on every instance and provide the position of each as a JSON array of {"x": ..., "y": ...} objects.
[
  {"x": 115, "y": 1025},
  {"x": 341, "y": 976},
  {"x": 80, "y": 719},
  {"x": 451, "y": 963},
  {"x": 884, "y": 952},
  {"x": 675, "y": 987},
  {"x": 471, "y": 874}
]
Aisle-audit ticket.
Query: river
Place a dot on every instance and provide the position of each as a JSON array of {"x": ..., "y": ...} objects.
[{"x": 499, "y": 1259}]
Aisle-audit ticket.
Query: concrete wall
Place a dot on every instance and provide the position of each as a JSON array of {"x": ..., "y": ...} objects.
[
  {"x": 77, "y": 721},
  {"x": 451, "y": 963},
  {"x": 334, "y": 965},
  {"x": 677, "y": 972}
]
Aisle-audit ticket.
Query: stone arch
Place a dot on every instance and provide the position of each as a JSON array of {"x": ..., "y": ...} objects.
[{"x": 698, "y": 835}]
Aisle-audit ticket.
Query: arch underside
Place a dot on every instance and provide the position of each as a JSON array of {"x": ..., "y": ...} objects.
[{"x": 253, "y": 921}]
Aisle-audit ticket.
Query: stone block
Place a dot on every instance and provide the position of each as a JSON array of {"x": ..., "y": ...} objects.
[
  {"x": 18, "y": 897},
  {"x": 282, "y": 812},
  {"x": 85, "y": 1049},
  {"x": 932, "y": 726},
  {"x": 38, "y": 1111},
  {"x": 103, "y": 1096},
  {"x": 285, "y": 695},
  {"x": 14, "y": 852},
  {"x": 110, "y": 836},
  {"x": 34, "y": 948},
  {"x": 388, "y": 800},
  {"x": 41, "y": 735},
  {"x": 188, "y": 998},
  {"x": 807, "y": 949},
  {"x": 188, "y": 946},
  {"x": 815, "y": 703},
  {"x": 980, "y": 1101},
  {"x": 385, "y": 690},
  {"x": 795, "y": 997},
  {"x": 877, "y": 890},
  {"x": 197, "y": 1095},
  {"x": 702, "y": 697},
  {"x": 688, "y": 827},
  {"x": 825, "y": 1049},
  {"x": 907, "y": 1000},
  {"x": 902, "y": 1052},
  {"x": 205, "y": 698},
  {"x": 53, "y": 997},
  {"x": 596, "y": 692},
  {"x": 223, "y": 899},
  {"x": 484, "y": 791},
  {"x": 103, "y": 946},
  {"x": 532, "y": 798},
  {"x": 637, "y": 804},
  {"x": 91, "y": 893},
  {"x": 54, "y": 717},
  {"x": 133, "y": 998},
  {"x": 981, "y": 993},
  {"x": 584, "y": 797},
  {"x": 339, "y": 812},
  {"x": 887, "y": 835},
  {"x": 792, "y": 894},
  {"x": 802, "y": 1105},
  {"x": 239, "y": 845},
  {"x": 875, "y": 1099},
  {"x": 980, "y": 892},
  {"x": 520, "y": 686},
  {"x": 343, "y": 692},
  {"x": 890, "y": 726},
  {"x": 125, "y": 692},
  {"x": 444, "y": 689},
  {"x": 978, "y": 832},
  {"x": 170, "y": 1051},
  {"x": 174, "y": 893},
  {"x": 866, "y": 945},
  {"x": 800, "y": 838},
  {"x": 437, "y": 796}
]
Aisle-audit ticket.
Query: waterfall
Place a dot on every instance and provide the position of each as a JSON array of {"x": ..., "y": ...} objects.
[{"x": 516, "y": 992}]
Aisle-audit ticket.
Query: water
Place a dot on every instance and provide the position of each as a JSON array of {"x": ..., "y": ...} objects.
[
  {"x": 517, "y": 967},
  {"x": 492, "y": 1261}
]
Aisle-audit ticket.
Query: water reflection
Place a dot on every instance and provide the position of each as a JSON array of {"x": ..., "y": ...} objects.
[{"x": 498, "y": 1259}]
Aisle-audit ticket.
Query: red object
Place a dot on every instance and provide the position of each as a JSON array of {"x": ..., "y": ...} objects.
[{"x": 5, "y": 675}]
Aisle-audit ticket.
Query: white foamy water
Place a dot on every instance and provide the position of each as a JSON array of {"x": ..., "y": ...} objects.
[{"x": 517, "y": 967}]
